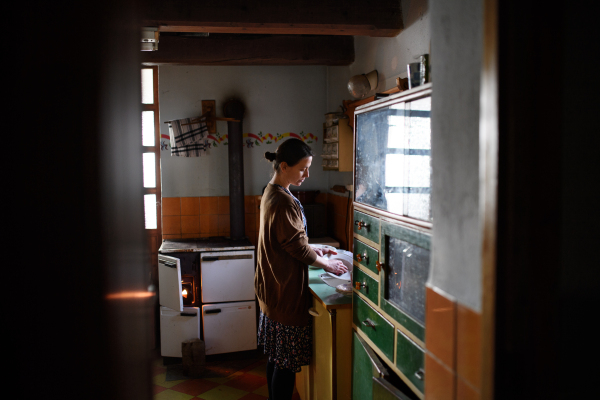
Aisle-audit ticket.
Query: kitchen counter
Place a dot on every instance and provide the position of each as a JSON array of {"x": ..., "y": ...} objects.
[
  {"x": 216, "y": 243},
  {"x": 325, "y": 294},
  {"x": 329, "y": 375}
]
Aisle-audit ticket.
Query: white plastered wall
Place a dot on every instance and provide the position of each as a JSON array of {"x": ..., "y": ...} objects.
[{"x": 277, "y": 100}]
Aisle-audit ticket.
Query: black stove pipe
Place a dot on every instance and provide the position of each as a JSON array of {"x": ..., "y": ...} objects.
[{"x": 235, "y": 109}]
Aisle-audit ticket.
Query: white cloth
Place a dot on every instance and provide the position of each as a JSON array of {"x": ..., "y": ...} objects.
[{"x": 188, "y": 139}]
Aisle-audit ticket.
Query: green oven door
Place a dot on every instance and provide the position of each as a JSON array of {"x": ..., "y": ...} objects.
[{"x": 365, "y": 366}]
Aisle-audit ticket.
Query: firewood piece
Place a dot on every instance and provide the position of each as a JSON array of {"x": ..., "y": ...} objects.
[{"x": 193, "y": 354}]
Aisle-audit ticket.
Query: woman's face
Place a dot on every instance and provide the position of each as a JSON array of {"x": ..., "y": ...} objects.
[{"x": 298, "y": 173}]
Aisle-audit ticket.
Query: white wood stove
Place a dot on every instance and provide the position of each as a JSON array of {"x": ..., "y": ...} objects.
[{"x": 206, "y": 291}]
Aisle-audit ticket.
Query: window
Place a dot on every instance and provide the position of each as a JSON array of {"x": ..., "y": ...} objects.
[
  {"x": 151, "y": 149},
  {"x": 393, "y": 158}
]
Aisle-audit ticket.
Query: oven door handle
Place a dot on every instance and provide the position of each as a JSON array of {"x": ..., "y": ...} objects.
[
  {"x": 212, "y": 311},
  {"x": 169, "y": 264},
  {"x": 187, "y": 315},
  {"x": 233, "y": 257}
]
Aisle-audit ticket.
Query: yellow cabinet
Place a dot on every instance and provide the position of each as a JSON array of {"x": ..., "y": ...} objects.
[
  {"x": 338, "y": 147},
  {"x": 329, "y": 376}
]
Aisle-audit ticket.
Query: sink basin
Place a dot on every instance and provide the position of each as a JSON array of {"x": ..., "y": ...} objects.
[{"x": 345, "y": 257}]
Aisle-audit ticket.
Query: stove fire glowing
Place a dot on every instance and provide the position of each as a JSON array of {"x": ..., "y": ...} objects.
[{"x": 188, "y": 289}]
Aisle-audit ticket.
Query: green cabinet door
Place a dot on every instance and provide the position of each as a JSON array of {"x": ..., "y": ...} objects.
[
  {"x": 366, "y": 256},
  {"x": 371, "y": 378},
  {"x": 366, "y": 226},
  {"x": 365, "y": 366},
  {"x": 374, "y": 326},
  {"x": 366, "y": 285},
  {"x": 410, "y": 359},
  {"x": 383, "y": 390},
  {"x": 362, "y": 385}
]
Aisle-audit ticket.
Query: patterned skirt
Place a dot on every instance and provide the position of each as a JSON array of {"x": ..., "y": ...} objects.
[{"x": 290, "y": 347}]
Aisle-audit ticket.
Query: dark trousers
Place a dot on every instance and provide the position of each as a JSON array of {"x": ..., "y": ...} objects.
[{"x": 280, "y": 382}]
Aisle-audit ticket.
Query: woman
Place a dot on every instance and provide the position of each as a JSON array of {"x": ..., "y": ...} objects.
[{"x": 281, "y": 280}]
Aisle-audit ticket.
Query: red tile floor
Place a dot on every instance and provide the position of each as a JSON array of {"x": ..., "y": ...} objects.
[{"x": 248, "y": 383}]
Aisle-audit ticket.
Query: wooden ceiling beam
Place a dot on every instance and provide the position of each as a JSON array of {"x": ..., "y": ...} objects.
[
  {"x": 382, "y": 18},
  {"x": 252, "y": 50},
  {"x": 279, "y": 29}
]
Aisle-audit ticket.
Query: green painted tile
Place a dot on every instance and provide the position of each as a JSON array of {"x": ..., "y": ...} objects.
[
  {"x": 223, "y": 393},
  {"x": 263, "y": 391},
  {"x": 328, "y": 295},
  {"x": 172, "y": 395},
  {"x": 259, "y": 371},
  {"x": 221, "y": 381},
  {"x": 160, "y": 381}
]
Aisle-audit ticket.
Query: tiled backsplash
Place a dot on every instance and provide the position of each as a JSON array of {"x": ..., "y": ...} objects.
[
  {"x": 197, "y": 217},
  {"x": 453, "y": 342}
]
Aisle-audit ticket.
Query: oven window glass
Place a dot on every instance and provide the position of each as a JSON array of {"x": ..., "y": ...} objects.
[
  {"x": 393, "y": 159},
  {"x": 408, "y": 268}
]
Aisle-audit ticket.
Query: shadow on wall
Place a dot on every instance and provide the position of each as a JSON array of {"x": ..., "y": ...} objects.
[
  {"x": 340, "y": 219},
  {"x": 412, "y": 11}
]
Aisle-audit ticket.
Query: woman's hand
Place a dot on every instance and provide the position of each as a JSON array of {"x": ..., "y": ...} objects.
[
  {"x": 336, "y": 267},
  {"x": 321, "y": 251}
]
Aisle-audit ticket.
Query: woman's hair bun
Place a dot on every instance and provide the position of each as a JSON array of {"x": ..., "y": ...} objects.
[{"x": 270, "y": 156}]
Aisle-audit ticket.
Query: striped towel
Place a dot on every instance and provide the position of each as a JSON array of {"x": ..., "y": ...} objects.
[
  {"x": 191, "y": 150},
  {"x": 187, "y": 138}
]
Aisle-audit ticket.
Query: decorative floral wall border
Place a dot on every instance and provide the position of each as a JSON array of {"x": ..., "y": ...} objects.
[{"x": 250, "y": 139}]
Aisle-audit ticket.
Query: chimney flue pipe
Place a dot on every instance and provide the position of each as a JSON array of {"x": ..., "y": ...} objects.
[{"x": 235, "y": 109}]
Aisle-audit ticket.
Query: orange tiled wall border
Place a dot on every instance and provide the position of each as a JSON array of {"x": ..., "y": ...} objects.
[
  {"x": 453, "y": 342},
  {"x": 197, "y": 217}
]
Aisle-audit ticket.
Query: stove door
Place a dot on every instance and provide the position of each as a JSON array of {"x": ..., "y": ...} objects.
[
  {"x": 227, "y": 276},
  {"x": 169, "y": 282},
  {"x": 229, "y": 327}
]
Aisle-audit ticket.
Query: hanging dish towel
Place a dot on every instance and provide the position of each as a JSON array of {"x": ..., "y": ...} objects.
[
  {"x": 188, "y": 138},
  {"x": 191, "y": 150}
]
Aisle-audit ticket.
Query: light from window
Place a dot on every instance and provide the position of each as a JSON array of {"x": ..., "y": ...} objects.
[
  {"x": 150, "y": 211},
  {"x": 147, "y": 86},
  {"x": 148, "y": 128},
  {"x": 396, "y": 136},
  {"x": 394, "y": 170},
  {"x": 149, "y": 163}
]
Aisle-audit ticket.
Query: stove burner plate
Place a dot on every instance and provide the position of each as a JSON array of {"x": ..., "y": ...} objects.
[{"x": 216, "y": 243}]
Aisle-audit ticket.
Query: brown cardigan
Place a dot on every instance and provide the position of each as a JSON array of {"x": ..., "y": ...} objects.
[{"x": 283, "y": 257}]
